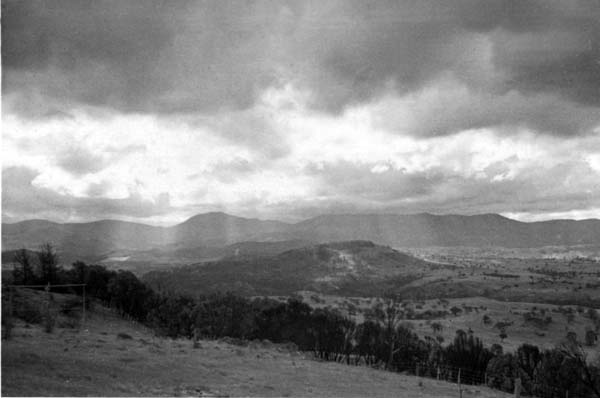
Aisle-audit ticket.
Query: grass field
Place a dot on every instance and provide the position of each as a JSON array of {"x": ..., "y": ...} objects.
[
  {"x": 114, "y": 357},
  {"x": 564, "y": 319}
]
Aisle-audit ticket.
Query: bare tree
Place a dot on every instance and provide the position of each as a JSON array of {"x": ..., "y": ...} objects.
[
  {"x": 48, "y": 263},
  {"x": 389, "y": 314},
  {"x": 26, "y": 269}
]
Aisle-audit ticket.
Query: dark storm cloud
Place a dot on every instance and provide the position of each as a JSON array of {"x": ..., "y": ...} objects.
[
  {"x": 550, "y": 47},
  {"x": 455, "y": 109},
  {"x": 163, "y": 56},
  {"x": 153, "y": 56},
  {"x": 92, "y": 51},
  {"x": 22, "y": 199}
]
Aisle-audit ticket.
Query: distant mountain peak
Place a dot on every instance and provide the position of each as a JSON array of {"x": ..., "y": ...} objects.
[{"x": 219, "y": 229}]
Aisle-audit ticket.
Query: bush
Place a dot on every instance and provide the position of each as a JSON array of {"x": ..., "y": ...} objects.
[{"x": 591, "y": 337}]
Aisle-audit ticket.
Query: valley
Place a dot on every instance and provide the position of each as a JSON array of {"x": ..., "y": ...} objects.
[{"x": 505, "y": 296}]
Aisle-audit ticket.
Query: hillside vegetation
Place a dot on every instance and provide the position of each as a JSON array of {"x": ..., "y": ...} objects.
[
  {"x": 115, "y": 357},
  {"x": 381, "y": 340},
  {"x": 345, "y": 268},
  {"x": 201, "y": 237}
]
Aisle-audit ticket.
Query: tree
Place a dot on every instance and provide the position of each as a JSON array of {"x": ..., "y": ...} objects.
[
  {"x": 553, "y": 372},
  {"x": 503, "y": 334},
  {"x": 468, "y": 353},
  {"x": 389, "y": 316},
  {"x": 129, "y": 295},
  {"x": 591, "y": 337},
  {"x": 79, "y": 272},
  {"x": 496, "y": 349},
  {"x": 455, "y": 310},
  {"x": 588, "y": 375},
  {"x": 571, "y": 337},
  {"x": 527, "y": 358},
  {"x": 437, "y": 327},
  {"x": 48, "y": 263},
  {"x": 501, "y": 372},
  {"x": 369, "y": 341},
  {"x": 25, "y": 274}
]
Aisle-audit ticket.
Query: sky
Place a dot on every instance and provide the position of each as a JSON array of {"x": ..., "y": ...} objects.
[{"x": 153, "y": 111}]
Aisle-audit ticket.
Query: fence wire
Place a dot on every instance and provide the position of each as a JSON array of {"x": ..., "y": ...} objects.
[{"x": 463, "y": 377}]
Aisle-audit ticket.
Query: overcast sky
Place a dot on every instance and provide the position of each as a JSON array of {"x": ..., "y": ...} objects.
[{"x": 157, "y": 110}]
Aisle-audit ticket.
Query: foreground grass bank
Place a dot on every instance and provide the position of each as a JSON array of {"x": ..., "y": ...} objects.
[{"x": 114, "y": 357}]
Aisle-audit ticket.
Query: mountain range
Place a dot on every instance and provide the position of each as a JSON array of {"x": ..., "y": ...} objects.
[{"x": 201, "y": 235}]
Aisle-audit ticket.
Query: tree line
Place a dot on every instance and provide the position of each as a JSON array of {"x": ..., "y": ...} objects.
[{"x": 382, "y": 340}]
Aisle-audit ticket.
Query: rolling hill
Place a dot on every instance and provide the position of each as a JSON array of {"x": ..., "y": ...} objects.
[
  {"x": 416, "y": 230},
  {"x": 205, "y": 236},
  {"x": 109, "y": 238},
  {"x": 344, "y": 268}
]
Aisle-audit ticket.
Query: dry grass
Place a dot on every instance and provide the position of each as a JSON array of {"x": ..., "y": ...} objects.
[
  {"x": 518, "y": 332},
  {"x": 96, "y": 361}
]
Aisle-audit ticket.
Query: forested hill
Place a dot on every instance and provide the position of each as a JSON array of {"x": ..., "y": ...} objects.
[{"x": 346, "y": 268}]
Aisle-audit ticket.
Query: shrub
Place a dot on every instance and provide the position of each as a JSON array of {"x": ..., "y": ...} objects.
[{"x": 591, "y": 337}]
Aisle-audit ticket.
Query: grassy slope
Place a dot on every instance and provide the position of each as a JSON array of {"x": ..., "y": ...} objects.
[
  {"x": 506, "y": 311},
  {"x": 95, "y": 361}
]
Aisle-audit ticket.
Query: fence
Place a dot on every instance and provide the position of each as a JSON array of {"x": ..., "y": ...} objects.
[
  {"x": 463, "y": 377},
  {"x": 43, "y": 307},
  {"x": 44, "y": 303}
]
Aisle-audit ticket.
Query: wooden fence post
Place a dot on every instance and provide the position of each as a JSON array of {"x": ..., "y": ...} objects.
[
  {"x": 459, "y": 387},
  {"x": 49, "y": 326},
  {"x": 10, "y": 302},
  {"x": 10, "y": 323},
  {"x": 83, "y": 317},
  {"x": 438, "y": 372}
]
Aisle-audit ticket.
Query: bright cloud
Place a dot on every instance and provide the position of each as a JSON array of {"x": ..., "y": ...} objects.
[{"x": 294, "y": 109}]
